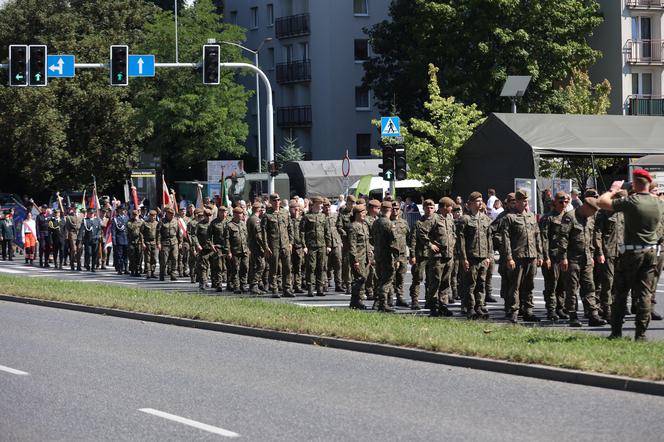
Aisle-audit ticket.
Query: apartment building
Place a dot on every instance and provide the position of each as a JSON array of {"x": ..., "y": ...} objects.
[
  {"x": 632, "y": 43},
  {"x": 313, "y": 53}
]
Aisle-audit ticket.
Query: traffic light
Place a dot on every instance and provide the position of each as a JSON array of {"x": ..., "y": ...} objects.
[
  {"x": 388, "y": 163},
  {"x": 119, "y": 63},
  {"x": 400, "y": 162},
  {"x": 273, "y": 168},
  {"x": 18, "y": 65},
  {"x": 211, "y": 60},
  {"x": 37, "y": 62}
]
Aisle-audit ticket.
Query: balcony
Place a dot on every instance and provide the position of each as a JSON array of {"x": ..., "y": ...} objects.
[
  {"x": 294, "y": 72},
  {"x": 645, "y": 4},
  {"x": 644, "y": 52},
  {"x": 292, "y": 26},
  {"x": 645, "y": 105},
  {"x": 294, "y": 116}
]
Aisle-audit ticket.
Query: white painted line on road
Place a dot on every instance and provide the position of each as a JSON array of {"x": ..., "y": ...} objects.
[
  {"x": 13, "y": 371},
  {"x": 327, "y": 304},
  {"x": 16, "y": 272},
  {"x": 191, "y": 423}
]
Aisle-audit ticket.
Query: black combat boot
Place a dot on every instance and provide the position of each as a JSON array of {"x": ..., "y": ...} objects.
[
  {"x": 595, "y": 320},
  {"x": 529, "y": 317},
  {"x": 288, "y": 294},
  {"x": 574, "y": 320},
  {"x": 401, "y": 302},
  {"x": 655, "y": 316},
  {"x": 562, "y": 314},
  {"x": 490, "y": 299}
]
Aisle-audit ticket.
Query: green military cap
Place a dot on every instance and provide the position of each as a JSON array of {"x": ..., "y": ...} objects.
[
  {"x": 317, "y": 200},
  {"x": 351, "y": 199},
  {"x": 374, "y": 203},
  {"x": 326, "y": 202},
  {"x": 474, "y": 196},
  {"x": 361, "y": 201},
  {"x": 521, "y": 195},
  {"x": 429, "y": 203},
  {"x": 257, "y": 206},
  {"x": 198, "y": 211},
  {"x": 446, "y": 201},
  {"x": 238, "y": 209},
  {"x": 591, "y": 202},
  {"x": 386, "y": 204},
  {"x": 153, "y": 212},
  {"x": 275, "y": 196},
  {"x": 510, "y": 197},
  {"x": 560, "y": 195},
  {"x": 169, "y": 210},
  {"x": 359, "y": 208}
]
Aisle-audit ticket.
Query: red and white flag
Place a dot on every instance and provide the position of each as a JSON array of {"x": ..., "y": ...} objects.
[
  {"x": 183, "y": 227},
  {"x": 165, "y": 194}
]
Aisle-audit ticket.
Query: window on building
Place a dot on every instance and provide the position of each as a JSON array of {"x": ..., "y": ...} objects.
[
  {"x": 270, "y": 14},
  {"x": 270, "y": 58},
  {"x": 288, "y": 53},
  {"x": 360, "y": 7},
  {"x": 363, "y": 145},
  {"x": 233, "y": 17},
  {"x": 362, "y": 98},
  {"x": 254, "y": 18},
  {"x": 305, "y": 50},
  {"x": 641, "y": 83},
  {"x": 361, "y": 50}
]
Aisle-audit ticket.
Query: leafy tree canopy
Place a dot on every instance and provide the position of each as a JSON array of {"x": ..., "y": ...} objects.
[{"x": 477, "y": 44}]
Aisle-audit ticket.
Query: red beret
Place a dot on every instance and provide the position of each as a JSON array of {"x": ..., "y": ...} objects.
[{"x": 642, "y": 173}]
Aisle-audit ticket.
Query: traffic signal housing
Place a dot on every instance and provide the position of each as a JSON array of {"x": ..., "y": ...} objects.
[
  {"x": 387, "y": 165},
  {"x": 211, "y": 68},
  {"x": 400, "y": 170},
  {"x": 119, "y": 65},
  {"x": 273, "y": 168},
  {"x": 18, "y": 65},
  {"x": 37, "y": 63}
]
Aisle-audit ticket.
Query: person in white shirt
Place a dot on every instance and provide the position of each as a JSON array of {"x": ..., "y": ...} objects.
[
  {"x": 491, "y": 200},
  {"x": 496, "y": 210}
]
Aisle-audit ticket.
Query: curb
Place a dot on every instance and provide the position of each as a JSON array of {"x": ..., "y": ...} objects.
[{"x": 513, "y": 368}]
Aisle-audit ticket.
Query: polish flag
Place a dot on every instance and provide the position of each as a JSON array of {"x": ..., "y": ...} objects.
[{"x": 166, "y": 196}]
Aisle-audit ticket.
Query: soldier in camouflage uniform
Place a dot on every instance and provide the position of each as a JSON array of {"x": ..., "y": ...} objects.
[
  {"x": 385, "y": 257},
  {"x": 217, "y": 231},
  {"x": 373, "y": 210},
  {"x": 452, "y": 294},
  {"x": 135, "y": 243},
  {"x": 256, "y": 249},
  {"x": 333, "y": 261},
  {"x": 497, "y": 234},
  {"x": 344, "y": 218},
  {"x": 183, "y": 254},
  {"x": 169, "y": 237},
  {"x": 442, "y": 243},
  {"x": 401, "y": 233},
  {"x": 522, "y": 247},
  {"x": 476, "y": 252},
  {"x": 360, "y": 254},
  {"x": 278, "y": 237},
  {"x": 419, "y": 253},
  {"x": 72, "y": 226},
  {"x": 316, "y": 237},
  {"x": 149, "y": 238},
  {"x": 578, "y": 245},
  {"x": 203, "y": 247},
  {"x": 550, "y": 229},
  {"x": 238, "y": 251},
  {"x": 191, "y": 231},
  {"x": 298, "y": 259},
  {"x": 611, "y": 229}
]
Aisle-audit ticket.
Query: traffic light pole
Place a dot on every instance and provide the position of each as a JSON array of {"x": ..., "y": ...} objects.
[{"x": 260, "y": 73}]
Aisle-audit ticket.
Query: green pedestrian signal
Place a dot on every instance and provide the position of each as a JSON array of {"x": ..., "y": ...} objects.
[
  {"x": 119, "y": 65},
  {"x": 18, "y": 65},
  {"x": 388, "y": 163},
  {"x": 37, "y": 63}
]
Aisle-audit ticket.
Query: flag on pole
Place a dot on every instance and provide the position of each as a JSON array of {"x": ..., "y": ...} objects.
[
  {"x": 225, "y": 201},
  {"x": 108, "y": 232},
  {"x": 199, "y": 196},
  {"x": 83, "y": 201},
  {"x": 165, "y": 194},
  {"x": 134, "y": 194}
]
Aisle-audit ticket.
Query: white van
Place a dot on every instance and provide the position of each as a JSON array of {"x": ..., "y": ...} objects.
[{"x": 379, "y": 187}]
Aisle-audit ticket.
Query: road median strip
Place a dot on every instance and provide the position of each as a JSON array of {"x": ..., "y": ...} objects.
[{"x": 414, "y": 337}]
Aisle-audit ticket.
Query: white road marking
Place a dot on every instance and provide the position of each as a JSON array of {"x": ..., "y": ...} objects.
[
  {"x": 327, "y": 304},
  {"x": 12, "y": 271},
  {"x": 13, "y": 371},
  {"x": 191, "y": 423}
]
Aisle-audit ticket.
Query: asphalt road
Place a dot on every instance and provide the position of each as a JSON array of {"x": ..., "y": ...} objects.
[
  {"x": 332, "y": 300},
  {"x": 91, "y": 377}
]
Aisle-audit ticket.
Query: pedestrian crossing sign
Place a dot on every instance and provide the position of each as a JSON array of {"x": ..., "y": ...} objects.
[{"x": 390, "y": 127}]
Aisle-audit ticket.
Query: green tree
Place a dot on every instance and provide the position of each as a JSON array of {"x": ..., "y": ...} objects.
[
  {"x": 477, "y": 44},
  {"x": 289, "y": 151},
  {"x": 193, "y": 122},
  {"x": 55, "y": 137},
  {"x": 580, "y": 96},
  {"x": 432, "y": 142}
]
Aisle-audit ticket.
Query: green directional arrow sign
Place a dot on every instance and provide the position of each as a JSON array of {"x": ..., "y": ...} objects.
[
  {"x": 19, "y": 77},
  {"x": 388, "y": 175},
  {"x": 38, "y": 77}
]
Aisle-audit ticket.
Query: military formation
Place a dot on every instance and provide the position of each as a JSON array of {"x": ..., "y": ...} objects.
[{"x": 605, "y": 251}]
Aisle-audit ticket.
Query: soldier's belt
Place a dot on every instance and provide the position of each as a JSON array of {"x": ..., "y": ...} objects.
[{"x": 636, "y": 247}]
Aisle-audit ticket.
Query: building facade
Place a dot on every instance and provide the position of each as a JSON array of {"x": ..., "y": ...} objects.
[
  {"x": 314, "y": 61},
  {"x": 632, "y": 44}
]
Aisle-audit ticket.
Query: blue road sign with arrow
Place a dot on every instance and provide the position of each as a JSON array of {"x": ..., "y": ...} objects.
[
  {"x": 141, "y": 65},
  {"x": 60, "y": 66},
  {"x": 390, "y": 127}
]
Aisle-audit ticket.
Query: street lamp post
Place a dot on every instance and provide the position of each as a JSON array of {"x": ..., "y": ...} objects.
[{"x": 258, "y": 95}]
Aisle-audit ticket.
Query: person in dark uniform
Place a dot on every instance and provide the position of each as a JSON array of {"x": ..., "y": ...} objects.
[
  {"x": 8, "y": 234},
  {"x": 56, "y": 232},
  {"x": 637, "y": 264},
  {"x": 120, "y": 241},
  {"x": 43, "y": 236},
  {"x": 88, "y": 237}
]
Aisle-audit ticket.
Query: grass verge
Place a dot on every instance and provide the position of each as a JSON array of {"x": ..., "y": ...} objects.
[{"x": 575, "y": 350}]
